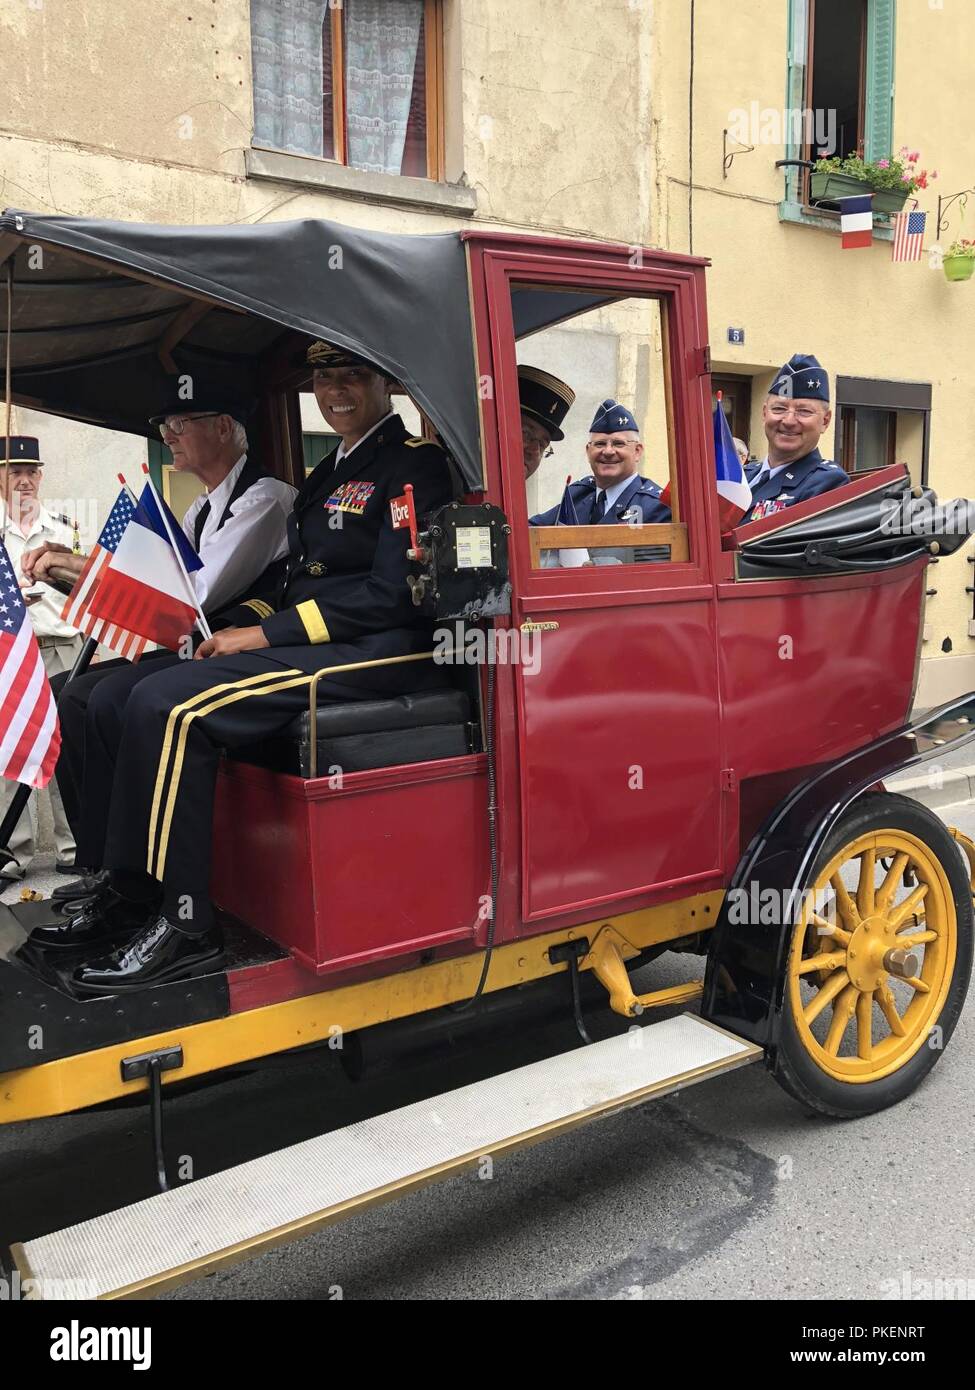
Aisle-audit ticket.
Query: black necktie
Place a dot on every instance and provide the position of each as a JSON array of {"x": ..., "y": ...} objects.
[
  {"x": 598, "y": 508},
  {"x": 199, "y": 522}
]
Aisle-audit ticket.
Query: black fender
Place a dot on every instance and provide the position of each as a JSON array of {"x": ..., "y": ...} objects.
[{"x": 745, "y": 978}]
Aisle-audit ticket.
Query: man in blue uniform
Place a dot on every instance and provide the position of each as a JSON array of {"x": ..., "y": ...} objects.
[
  {"x": 796, "y": 416},
  {"x": 345, "y": 599},
  {"x": 615, "y": 494}
]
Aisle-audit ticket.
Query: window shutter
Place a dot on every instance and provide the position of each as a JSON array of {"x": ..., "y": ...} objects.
[
  {"x": 796, "y": 91},
  {"x": 881, "y": 22}
]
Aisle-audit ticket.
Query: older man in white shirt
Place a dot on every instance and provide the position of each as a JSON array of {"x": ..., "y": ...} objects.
[
  {"x": 27, "y": 524},
  {"x": 238, "y": 527}
]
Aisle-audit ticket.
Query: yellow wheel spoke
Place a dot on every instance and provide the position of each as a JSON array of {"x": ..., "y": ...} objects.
[
  {"x": 910, "y": 905},
  {"x": 866, "y": 889},
  {"x": 830, "y": 962},
  {"x": 830, "y": 929},
  {"x": 843, "y": 1011},
  {"x": 889, "y": 1010},
  {"x": 888, "y": 888},
  {"x": 919, "y": 985},
  {"x": 919, "y": 939},
  {"x": 825, "y": 996},
  {"x": 845, "y": 905},
  {"x": 865, "y": 1027}
]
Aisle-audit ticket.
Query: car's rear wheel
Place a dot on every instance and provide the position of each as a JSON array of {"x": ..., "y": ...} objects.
[{"x": 879, "y": 961}]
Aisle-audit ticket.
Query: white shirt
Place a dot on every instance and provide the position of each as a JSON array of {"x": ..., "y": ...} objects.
[
  {"x": 766, "y": 471},
  {"x": 254, "y": 534},
  {"x": 342, "y": 452},
  {"x": 45, "y": 614}
]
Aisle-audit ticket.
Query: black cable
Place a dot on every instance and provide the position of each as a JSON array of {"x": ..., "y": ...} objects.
[{"x": 492, "y": 837}]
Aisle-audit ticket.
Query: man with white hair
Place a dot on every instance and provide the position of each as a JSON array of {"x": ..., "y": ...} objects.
[{"x": 239, "y": 529}]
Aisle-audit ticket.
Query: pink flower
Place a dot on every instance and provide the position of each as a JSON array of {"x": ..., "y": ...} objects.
[
  {"x": 915, "y": 156},
  {"x": 905, "y": 178},
  {"x": 883, "y": 163},
  {"x": 934, "y": 173}
]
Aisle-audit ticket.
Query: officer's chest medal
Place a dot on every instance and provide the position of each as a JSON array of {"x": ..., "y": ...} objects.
[
  {"x": 350, "y": 497},
  {"x": 769, "y": 508}
]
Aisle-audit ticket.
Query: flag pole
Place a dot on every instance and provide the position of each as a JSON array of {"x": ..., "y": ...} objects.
[
  {"x": 8, "y": 391},
  {"x": 202, "y": 623}
]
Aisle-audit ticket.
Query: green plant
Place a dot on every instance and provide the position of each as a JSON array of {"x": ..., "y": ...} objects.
[
  {"x": 899, "y": 175},
  {"x": 961, "y": 247}
]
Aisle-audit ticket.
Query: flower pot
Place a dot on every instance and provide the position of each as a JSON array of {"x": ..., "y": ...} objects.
[
  {"x": 830, "y": 188},
  {"x": 959, "y": 267}
]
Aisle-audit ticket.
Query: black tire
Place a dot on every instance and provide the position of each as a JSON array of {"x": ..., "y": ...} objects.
[{"x": 795, "y": 1068}]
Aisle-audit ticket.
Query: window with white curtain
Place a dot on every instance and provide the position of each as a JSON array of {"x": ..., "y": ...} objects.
[{"x": 357, "y": 82}]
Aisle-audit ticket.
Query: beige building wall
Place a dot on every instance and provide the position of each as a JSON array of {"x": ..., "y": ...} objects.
[
  {"x": 561, "y": 118},
  {"x": 792, "y": 288}
]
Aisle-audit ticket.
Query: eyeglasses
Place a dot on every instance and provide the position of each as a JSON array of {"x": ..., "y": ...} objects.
[
  {"x": 532, "y": 444},
  {"x": 176, "y": 424}
]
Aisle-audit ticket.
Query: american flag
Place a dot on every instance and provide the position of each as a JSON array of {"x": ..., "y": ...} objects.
[
  {"x": 909, "y": 236},
  {"x": 77, "y": 610},
  {"x": 30, "y": 738}
]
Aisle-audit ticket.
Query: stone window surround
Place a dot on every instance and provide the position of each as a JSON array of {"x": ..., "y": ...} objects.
[{"x": 456, "y": 199}]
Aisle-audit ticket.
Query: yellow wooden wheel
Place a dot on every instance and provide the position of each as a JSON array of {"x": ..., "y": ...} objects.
[
  {"x": 880, "y": 911},
  {"x": 879, "y": 959}
]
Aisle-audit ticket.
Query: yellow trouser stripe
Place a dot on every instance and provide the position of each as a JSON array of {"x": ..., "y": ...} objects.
[
  {"x": 312, "y": 621},
  {"x": 174, "y": 714},
  {"x": 181, "y": 746},
  {"x": 262, "y": 609}
]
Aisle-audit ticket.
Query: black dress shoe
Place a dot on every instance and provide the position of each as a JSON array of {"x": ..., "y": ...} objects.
[
  {"x": 161, "y": 952},
  {"x": 92, "y": 922},
  {"x": 85, "y": 887}
]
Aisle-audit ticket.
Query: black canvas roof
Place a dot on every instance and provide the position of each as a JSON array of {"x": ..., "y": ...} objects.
[{"x": 87, "y": 333}]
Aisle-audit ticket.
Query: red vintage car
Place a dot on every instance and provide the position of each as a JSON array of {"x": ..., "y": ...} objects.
[{"x": 681, "y": 749}]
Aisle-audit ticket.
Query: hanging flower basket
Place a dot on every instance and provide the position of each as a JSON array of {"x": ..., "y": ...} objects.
[
  {"x": 830, "y": 188},
  {"x": 959, "y": 267}
]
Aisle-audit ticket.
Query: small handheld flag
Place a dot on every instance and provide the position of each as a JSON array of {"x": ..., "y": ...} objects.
[
  {"x": 78, "y": 612},
  {"x": 403, "y": 513},
  {"x": 909, "y": 229},
  {"x": 146, "y": 586},
  {"x": 568, "y": 516},
  {"x": 30, "y": 737},
  {"x": 734, "y": 494},
  {"x": 856, "y": 220}
]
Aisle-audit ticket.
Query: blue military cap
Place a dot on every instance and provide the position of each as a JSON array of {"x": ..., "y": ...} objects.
[
  {"x": 610, "y": 417},
  {"x": 803, "y": 379}
]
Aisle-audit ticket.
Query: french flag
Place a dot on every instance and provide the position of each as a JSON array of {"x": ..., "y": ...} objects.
[
  {"x": 734, "y": 494},
  {"x": 856, "y": 221},
  {"x": 146, "y": 585}
]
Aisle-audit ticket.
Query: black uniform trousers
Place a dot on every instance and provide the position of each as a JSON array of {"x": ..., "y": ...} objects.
[
  {"x": 86, "y": 807},
  {"x": 158, "y": 755}
]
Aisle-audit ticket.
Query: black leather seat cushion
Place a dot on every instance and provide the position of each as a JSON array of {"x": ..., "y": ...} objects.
[{"x": 357, "y": 735}]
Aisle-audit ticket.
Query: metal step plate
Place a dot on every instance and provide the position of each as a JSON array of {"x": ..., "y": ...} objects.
[{"x": 179, "y": 1236}]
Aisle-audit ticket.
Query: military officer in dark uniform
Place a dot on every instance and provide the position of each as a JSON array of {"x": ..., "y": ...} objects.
[
  {"x": 796, "y": 416},
  {"x": 345, "y": 599},
  {"x": 615, "y": 494},
  {"x": 545, "y": 402}
]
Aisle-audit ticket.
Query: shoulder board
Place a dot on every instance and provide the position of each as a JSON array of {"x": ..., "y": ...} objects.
[
  {"x": 417, "y": 442},
  {"x": 649, "y": 488}
]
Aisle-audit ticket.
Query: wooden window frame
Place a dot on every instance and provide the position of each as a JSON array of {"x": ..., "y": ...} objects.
[
  {"x": 433, "y": 31},
  {"x": 848, "y": 428},
  {"x": 807, "y": 149}
]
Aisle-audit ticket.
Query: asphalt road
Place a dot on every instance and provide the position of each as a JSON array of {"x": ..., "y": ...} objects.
[{"x": 725, "y": 1191}]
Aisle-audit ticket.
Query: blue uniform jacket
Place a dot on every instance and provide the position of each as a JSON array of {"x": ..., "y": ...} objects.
[
  {"x": 638, "y": 504},
  {"x": 807, "y": 477}
]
